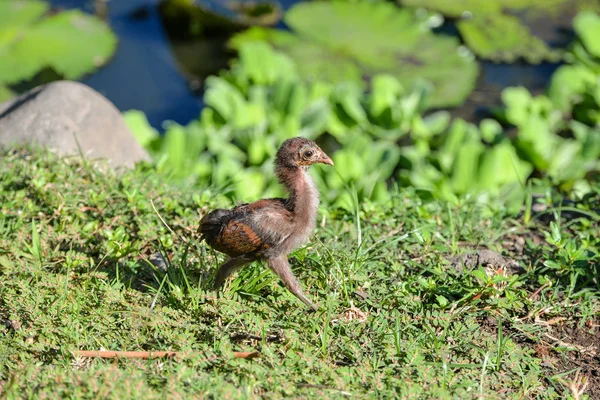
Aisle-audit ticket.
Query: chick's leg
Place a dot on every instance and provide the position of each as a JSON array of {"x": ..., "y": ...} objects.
[
  {"x": 228, "y": 268},
  {"x": 282, "y": 269}
]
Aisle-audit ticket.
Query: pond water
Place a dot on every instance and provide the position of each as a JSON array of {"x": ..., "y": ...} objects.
[
  {"x": 162, "y": 76},
  {"x": 143, "y": 74}
]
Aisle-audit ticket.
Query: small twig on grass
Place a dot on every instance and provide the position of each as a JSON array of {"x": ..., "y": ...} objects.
[
  {"x": 534, "y": 294},
  {"x": 165, "y": 224},
  {"x": 146, "y": 355}
]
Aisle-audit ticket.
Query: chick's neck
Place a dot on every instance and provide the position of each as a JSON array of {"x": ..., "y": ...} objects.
[{"x": 303, "y": 199}]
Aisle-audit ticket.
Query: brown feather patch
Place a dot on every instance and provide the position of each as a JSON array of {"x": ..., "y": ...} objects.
[{"x": 237, "y": 238}]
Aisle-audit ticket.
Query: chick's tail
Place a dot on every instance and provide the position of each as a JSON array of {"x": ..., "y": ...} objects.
[{"x": 212, "y": 223}]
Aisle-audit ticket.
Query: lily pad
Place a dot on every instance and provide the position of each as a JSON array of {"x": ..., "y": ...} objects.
[
  {"x": 488, "y": 38},
  {"x": 337, "y": 42},
  {"x": 71, "y": 42},
  {"x": 499, "y": 30}
]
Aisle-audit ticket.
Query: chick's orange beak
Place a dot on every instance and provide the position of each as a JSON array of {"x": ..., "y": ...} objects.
[{"x": 325, "y": 159}]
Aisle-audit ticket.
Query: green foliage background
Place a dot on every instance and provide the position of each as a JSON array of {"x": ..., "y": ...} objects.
[
  {"x": 384, "y": 136},
  {"x": 72, "y": 43},
  {"x": 498, "y": 30},
  {"x": 339, "y": 42}
]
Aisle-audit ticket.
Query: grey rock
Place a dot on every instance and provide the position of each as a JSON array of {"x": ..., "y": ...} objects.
[{"x": 70, "y": 118}]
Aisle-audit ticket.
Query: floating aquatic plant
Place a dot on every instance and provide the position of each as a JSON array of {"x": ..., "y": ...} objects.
[
  {"x": 70, "y": 42},
  {"x": 339, "y": 42},
  {"x": 499, "y": 30}
]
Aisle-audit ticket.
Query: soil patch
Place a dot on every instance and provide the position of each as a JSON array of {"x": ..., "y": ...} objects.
[
  {"x": 569, "y": 347},
  {"x": 586, "y": 357}
]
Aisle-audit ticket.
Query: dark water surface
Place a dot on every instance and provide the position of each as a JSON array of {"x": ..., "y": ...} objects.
[
  {"x": 163, "y": 77},
  {"x": 143, "y": 74}
]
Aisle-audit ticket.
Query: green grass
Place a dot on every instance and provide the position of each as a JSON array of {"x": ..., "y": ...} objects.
[{"x": 399, "y": 318}]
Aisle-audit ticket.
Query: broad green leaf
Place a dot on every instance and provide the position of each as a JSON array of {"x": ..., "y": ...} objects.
[
  {"x": 219, "y": 97},
  {"x": 257, "y": 151},
  {"x": 314, "y": 118},
  {"x": 195, "y": 140},
  {"x": 411, "y": 104},
  {"x": 229, "y": 103},
  {"x": 583, "y": 57},
  {"x": 425, "y": 176},
  {"x": 338, "y": 42},
  {"x": 589, "y": 138},
  {"x": 454, "y": 139},
  {"x": 250, "y": 183},
  {"x": 348, "y": 107},
  {"x": 71, "y": 42},
  {"x": 568, "y": 85},
  {"x": 517, "y": 101},
  {"x": 290, "y": 97},
  {"x": 490, "y": 129},
  {"x": 500, "y": 165},
  {"x": 174, "y": 147},
  {"x": 465, "y": 167},
  {"x": 431, "y": 125},
  {"x": 348, "y": 167},
  {"x": 16, "y": 16},
  {"x": 567, "y": 163},
  {"x": 500, "y": 29},
  {"x": 262, "y": 65},
  {"x": 385, "y": 92},
  {"x": 503, "y": 38},
  {"x": 537, "y": 121},
  {"x": 380, "y": 156},
  {"x": 380, "y": 192},
  {"x": 142, "y": 130},
  {"x": 587, "y": 26}
]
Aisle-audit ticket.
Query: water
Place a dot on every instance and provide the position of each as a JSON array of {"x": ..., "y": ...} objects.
[
  {"x": 163, "y": 76},
  {"x": 143, "y": 74},
  {"x": 493, "y": 78}
]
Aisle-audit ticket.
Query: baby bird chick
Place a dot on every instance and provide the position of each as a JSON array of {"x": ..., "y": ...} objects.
[{"x": 269, "y": 229}]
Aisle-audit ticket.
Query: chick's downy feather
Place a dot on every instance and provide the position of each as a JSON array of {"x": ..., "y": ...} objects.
[{"x": 270, "y": 229}]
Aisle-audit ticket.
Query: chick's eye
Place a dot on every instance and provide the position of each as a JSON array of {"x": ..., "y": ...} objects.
[{"x": 308, "y": 154}]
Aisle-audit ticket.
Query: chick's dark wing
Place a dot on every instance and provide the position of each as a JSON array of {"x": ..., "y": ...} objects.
[
  {"x": 247, "y": 229},
  {"x": 271, "y": 220}
]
